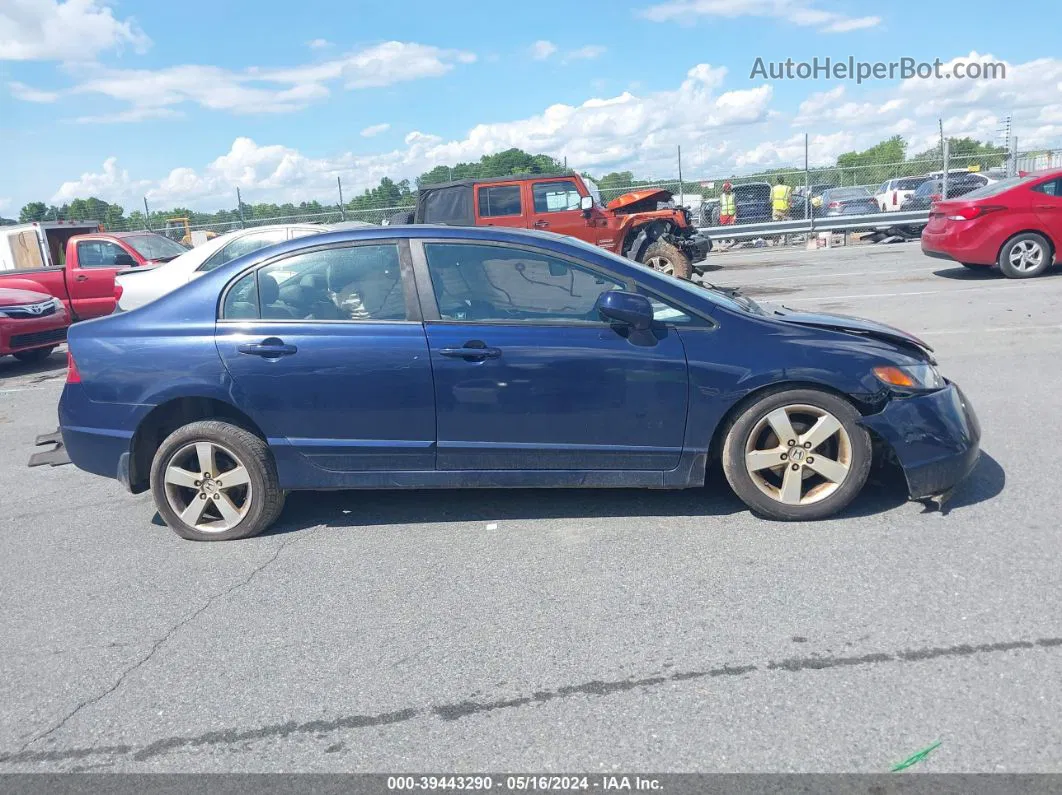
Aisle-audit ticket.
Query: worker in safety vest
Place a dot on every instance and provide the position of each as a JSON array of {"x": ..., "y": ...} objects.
[
  {"x": 727, "y": 206},
  {"x": 781, "y": 196}
]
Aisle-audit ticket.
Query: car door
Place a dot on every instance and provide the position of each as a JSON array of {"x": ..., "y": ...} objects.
[
  {"x": 555, "y": 208},
  {"x": 327, "y": 347},
  {"x": 500, "y": 205},
  {"x": 527, "y": 374},
  {"x": 1047, "y": 204},
  {"x": 91, "y": 283}
]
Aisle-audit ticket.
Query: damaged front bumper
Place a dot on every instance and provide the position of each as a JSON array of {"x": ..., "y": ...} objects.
[{"x": 936, "y": 438}]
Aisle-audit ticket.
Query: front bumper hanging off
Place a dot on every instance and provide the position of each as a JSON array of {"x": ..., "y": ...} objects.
[{"x": 56, "y": 456}]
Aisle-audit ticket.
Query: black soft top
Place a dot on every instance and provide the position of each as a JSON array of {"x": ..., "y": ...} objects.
[{"x": 451, "y": 202}]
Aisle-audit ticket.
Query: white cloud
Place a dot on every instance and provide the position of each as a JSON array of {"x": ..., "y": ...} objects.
[
  {"x": 318, "y": 44},
  {"x": 797, "y": 12},
  {"x": 30, "y": 94},
  {"x": 258, "y": 90},
  {"x": 111, "y": 181},
  {"x": 374, "y": 130},
  {"x": 542, "y": 49},
  {"x": 585, "y": 53},
  {"x": 45, "y": 30},
  {"x": 130, "y": 116},
  {"x": 600, "y": 133}
]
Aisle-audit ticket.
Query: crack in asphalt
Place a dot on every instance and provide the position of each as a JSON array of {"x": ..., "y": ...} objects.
[
  {"x": 155, "y": 647},
  {"x": 462, "y": 709}
]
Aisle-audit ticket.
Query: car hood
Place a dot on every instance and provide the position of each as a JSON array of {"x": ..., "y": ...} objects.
[
  {"x": 13, "y": 297},
  {"x": 636, "y": 196},
  {"x": 852, "y": 325}
]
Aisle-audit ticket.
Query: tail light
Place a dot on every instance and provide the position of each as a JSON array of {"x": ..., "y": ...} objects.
[
  {"x": 118, "y": 290},
  {"x": 72, "y": 375},
  {"x": 833, "y": 205},
  {"x": 978, "y": 210},
  {"x": 895, "y": 197}
]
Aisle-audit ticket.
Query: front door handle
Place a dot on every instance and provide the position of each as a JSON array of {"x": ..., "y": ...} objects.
[
  {"x": 541, "y": 224},
  {"x": 81, "y": 277},
  {"x": 271, "y": 348},
  {"x": 472, "y": 352},
  {"x": 1046, "y": 207}
]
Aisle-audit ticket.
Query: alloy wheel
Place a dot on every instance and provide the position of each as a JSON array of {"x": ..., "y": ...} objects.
[
  {"x": 1026, "y": 255},
  {"x": 798, "y": 454},
  {"x": 661, "y": 264},
  {"x": 208, "y": 487}
]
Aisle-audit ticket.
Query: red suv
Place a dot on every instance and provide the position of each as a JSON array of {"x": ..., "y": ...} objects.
[{"x": 1015, "y": 223}]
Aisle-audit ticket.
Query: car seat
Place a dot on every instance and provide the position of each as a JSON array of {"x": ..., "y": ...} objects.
[{"x": 269, "y": 295}]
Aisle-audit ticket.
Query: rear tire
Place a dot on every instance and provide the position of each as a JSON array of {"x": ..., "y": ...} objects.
[
  {"x": 1025, "y": 256},
  {"x": 797, "y": 455},
  {"x": 35, "y": 355},
  {"x": 206, "y": 508},
  {"x": 667, "y": 258}
]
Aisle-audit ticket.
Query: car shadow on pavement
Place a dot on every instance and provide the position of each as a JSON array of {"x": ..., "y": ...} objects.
[
  {"x": 885, "y": 491},
  {"x": 10, "y": 367},
  {"x": 963, "y": 274}
]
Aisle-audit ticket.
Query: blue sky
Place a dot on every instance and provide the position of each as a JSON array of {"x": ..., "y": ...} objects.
[{"x": 184, "y": 101}]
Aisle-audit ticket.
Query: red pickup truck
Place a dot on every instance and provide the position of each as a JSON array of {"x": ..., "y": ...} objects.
[{"x": 76, "y": 262}]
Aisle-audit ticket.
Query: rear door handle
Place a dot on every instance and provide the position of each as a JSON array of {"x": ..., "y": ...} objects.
[
  {"x": 81, "y": 277},
  {"x": 1046, "y": 207},
  {"x": 271, "y": 348},
  {"x": 471, "y": 352}
]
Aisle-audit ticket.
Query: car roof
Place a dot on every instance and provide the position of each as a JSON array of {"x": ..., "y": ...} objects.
[{"x": 487, "y": 180}]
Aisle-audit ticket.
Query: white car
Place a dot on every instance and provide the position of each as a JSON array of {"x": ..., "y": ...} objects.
[
  {"x": 892, "y": 193},
  {"x": 143, "y": 285}
]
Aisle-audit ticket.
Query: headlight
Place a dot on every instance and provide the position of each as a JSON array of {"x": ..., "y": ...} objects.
[{"x": 914, "y": 377}]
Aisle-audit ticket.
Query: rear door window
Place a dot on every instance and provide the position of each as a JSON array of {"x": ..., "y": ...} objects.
[{"x": 499, "y": 200}]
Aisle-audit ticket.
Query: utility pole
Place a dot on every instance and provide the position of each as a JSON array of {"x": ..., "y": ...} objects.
[
  {"x": 681, "y": 196},
  {"x": 807, "y": 188},
  {"x": 239, "y": 207},
  {"x": 342, "y": 209},
  {"x": 944, "y": 179},
  {"x": 147, "y": 215}
]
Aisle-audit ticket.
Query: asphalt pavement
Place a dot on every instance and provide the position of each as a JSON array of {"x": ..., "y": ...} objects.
[{"x": 537, "y": 631}]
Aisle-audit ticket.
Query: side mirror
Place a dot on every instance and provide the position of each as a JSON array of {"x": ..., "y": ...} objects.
[
  {"x": 630, "y": 309},
  {"x": 586, "y": 204}
]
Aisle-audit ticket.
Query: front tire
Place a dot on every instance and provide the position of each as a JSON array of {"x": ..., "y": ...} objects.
[
  {"x": 35, "y": 355},
  {"x": 213, "y": 481},
  {"x": 797, "y": 454},
  {"x": 667, "y": 258},
  {"x": 1025, "y": 256}
]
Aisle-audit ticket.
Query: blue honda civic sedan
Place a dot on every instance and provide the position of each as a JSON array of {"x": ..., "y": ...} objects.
[{"x": 444, "y": 357}]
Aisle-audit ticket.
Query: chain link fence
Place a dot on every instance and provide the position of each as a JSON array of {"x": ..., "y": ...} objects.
[{"x": 889, "y": 183}]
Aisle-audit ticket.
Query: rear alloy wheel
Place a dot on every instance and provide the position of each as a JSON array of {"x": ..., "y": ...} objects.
[
  {"x": 667, "y": 258},
  {"x": 797, "y": 455},
  {"x": 1024, "y": 256},
  {"x": 34, "y": 356},
  {"x": 213, "y": 481}
]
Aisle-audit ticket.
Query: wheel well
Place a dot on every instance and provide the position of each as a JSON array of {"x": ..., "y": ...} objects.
[
  {"x": 1040, "y": 232},
  {"x": 167, "y": 417},
  {"x": 653, "y": 229},
  {"x": 715, "y": 448}
]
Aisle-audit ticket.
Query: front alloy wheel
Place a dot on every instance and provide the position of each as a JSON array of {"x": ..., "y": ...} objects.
[{"x": 797, "y": 454}]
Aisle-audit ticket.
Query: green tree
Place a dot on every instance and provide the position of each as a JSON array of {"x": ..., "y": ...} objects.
[{"x": 34, "y": 211}]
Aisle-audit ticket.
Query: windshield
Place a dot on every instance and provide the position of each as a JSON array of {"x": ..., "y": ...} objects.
[
  {"x": 595, "y": 191},
  {"x": 155, "y": 247},
  {"x": 727, "y": 297}
]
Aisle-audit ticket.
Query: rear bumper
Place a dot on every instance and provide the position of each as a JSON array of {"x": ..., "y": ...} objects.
[
  {"x": 945, "y": 244},
  {"x": 936, "y": 438},
  {"x": 95, "y": 449}
]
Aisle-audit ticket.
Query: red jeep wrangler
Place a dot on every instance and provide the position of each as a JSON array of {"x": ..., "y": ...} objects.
[{"x": 642, "y": 225}]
